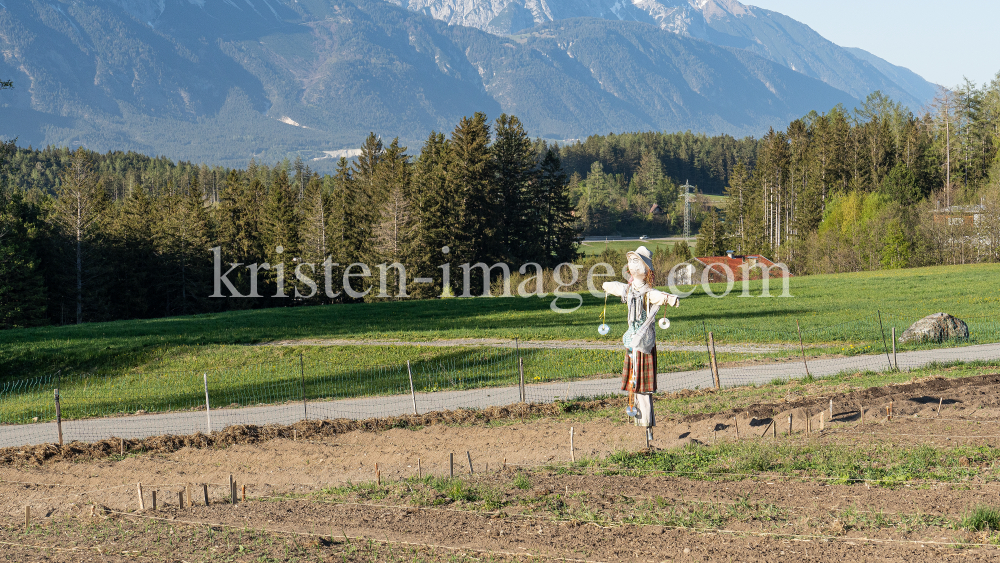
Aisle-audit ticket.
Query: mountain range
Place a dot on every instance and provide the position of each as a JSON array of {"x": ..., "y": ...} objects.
[{"x": 221, "y": 81}]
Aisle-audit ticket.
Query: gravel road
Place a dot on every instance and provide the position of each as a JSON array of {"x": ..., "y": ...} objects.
[{"x": 142, "y": 426}]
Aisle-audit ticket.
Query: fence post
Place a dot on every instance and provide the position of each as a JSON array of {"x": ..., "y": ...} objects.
[
  {"x": 208, "y": 408},
  {"x": 715, "y": 366},
  {"x": 882, "y": 330},
  {"x": 520, "y": 369},
  {"x": 58, "y": 416},
  {"x": 895, "y": 360},
  {"x": 802, "y": 348},
  {"x": 302, "y": 370},
  {"x": 413, "y": 394}
]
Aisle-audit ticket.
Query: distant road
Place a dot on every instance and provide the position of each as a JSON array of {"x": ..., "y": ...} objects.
[{"x": 190, "y": 422}]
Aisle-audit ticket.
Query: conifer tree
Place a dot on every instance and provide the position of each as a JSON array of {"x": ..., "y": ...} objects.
[
  {"x": 470, "y": 179},
  {"x": 437, "y": 215},
  {"x": 78, "y": 211},
  {"x": 22, "y": 287},
  {"x": 513, "y": 166},
  {"x": 280, "y": 234},
  {"x": 558, "y": 230}
]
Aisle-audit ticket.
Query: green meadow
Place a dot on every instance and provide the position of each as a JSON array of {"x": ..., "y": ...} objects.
[{"x": 151, "y": 361}]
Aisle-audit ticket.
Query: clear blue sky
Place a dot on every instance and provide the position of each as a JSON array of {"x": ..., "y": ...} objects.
[{"x": 941, "y": 40}]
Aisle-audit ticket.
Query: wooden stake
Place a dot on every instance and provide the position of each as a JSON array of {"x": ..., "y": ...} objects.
[
  {"x": 802, "y": 348},
  {"x": 831, "y": 409},
  {"x": 295, "y": 435},
  {"x": 59, "y": 417},
  {"x": 895, "y": 360},
  {"x": 862, "y": 415},
  {"x": 142, "y": 505},
  {"x": 420, "y": 473},
  {"x": 153, "y": 493},
  {"x": 890, "y": 410},
  {"x": 940, "y": 402},
  {"x": 244, "y": 493},
  {"x": 774, "y": 428},
  {"x": 736, "y": 424},
  {"x": 122, "y": 445},
  {"x": 180, "y": 499},
  {"x": 822, "y": 421},
  {"x": 413, "y": 393},
  {"x": 190, "y": 499},
  {"x": 378, "y": 476},
  {"x": 208, "y": 406},
  {"x": 27, "y": 516},
  {"x": 572, "y": 451},
  {"x": 468, "y": 455},
  {"x": 204, "y": 490},
  {"x": 505, "y": 464},
  {"x": 520, "y": 370},
  {"x": 789, "y": 424},
  {"x": 809, "y": 427},
  {"x": 232, "y": 490},
  {"x": 715, "y": 366},
  {"x": 451, "y": 464},
  {"x": 768, "y": 427}
]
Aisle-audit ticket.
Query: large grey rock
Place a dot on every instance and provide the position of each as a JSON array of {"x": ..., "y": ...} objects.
[{"x": 937, "y": 327}]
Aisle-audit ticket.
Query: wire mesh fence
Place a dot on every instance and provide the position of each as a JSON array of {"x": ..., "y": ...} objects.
[{"x": 95, "y": 406}]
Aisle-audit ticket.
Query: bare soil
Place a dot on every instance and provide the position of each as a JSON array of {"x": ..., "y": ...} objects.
[{"x": 552, "y": 518}]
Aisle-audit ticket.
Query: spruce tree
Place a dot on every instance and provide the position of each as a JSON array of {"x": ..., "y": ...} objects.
[
  {"x": 559, "y": 233},
  {"x": 22, "y": 287},
  {"x": 513, "y": 166},
  {"x": 437, "y": 215},
  {"x": 470, "y": 180}
]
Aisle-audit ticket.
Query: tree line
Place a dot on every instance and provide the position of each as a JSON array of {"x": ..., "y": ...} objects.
[
  {"x": 874, "y": 188},
  {"x": 89, "y": 237}
]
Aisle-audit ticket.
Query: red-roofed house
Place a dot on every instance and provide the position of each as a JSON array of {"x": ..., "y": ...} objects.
[{"x": 723, "y": 268}]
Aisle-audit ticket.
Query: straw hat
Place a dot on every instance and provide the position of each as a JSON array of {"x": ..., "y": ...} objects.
[{"x": 643, "y": 253}]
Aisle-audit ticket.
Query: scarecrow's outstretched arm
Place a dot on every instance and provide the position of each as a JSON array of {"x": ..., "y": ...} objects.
[
  {"x": 657, "y": 297},
  {"x": 615, "y": 288}
]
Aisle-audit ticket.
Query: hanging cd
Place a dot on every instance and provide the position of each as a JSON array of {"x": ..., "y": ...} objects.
[
  {"x": 664, "y": 323},
  {"x": 603, "y": 329}
]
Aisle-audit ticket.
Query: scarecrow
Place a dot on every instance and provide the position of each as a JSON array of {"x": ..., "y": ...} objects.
[{"x": 639, "y": 371}]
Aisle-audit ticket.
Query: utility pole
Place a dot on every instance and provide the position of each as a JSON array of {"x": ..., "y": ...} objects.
[{"x": 687, "y": 208}]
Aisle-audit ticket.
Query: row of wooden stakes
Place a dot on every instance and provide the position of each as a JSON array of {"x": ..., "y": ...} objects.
[{"x": 188, "y": 492}]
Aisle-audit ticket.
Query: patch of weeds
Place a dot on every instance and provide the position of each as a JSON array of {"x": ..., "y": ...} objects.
[
  {"x": 522, "y": 482},
  {"x": 983, "y": 518}
]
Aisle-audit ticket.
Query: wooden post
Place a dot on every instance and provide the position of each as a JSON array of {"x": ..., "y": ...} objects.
[
  {"x": 895, "y": 360},
  {"x": 295, "y": 435},
  {"x": 774, "y": 428},
  {"x": 142, "y": 504},
  {"x": 831, "y": 409},
  {"x": 190, "y": 497},
  {"x": 208, "y": 407},
  {"x": 572, "y": 450},
  {"x": 413, "y": 394},
  {"x": 468, "y": 455},
  {"x": 736, "y": 424},
  {"x": 420, "y": 472},
  {"x": 715, "y": 366},
  {"x": 122, "y": 446},
  {"x": 789, "y": 424},
  {"x": 27, "y": 516},
  {"x": 244, "y": 493},
  {"x": 378, "y": 476},
  {"x": 58, "y": 417},
  {"x": 809, "y": 426},
  {"x": 940, "y": 402},
  {"x": 822, "y": 421},
  {"x": 520, "y": 369},
  {"x": 451, "y": 465},
  {"x": 180, "y": 499},
  {"x": 890, "y": 410},
  {"x": 204, "y": 490},
  {"x": 862, "y": 409},
  {"x": 232, "y": 490},
  {"x": 302, "y": 370},
  {"x": 802, "y": 348},
  {"x": 153, "y": 494}
]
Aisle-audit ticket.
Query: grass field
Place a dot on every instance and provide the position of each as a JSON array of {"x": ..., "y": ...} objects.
[
  {"x": 593, "y": 248},
  {"x": 835, "y": 312}
]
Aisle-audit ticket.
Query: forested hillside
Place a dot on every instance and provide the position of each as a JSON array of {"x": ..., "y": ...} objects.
[
  {"x": 88, "y": 237},
  {"x": 871, "y": 189}
]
